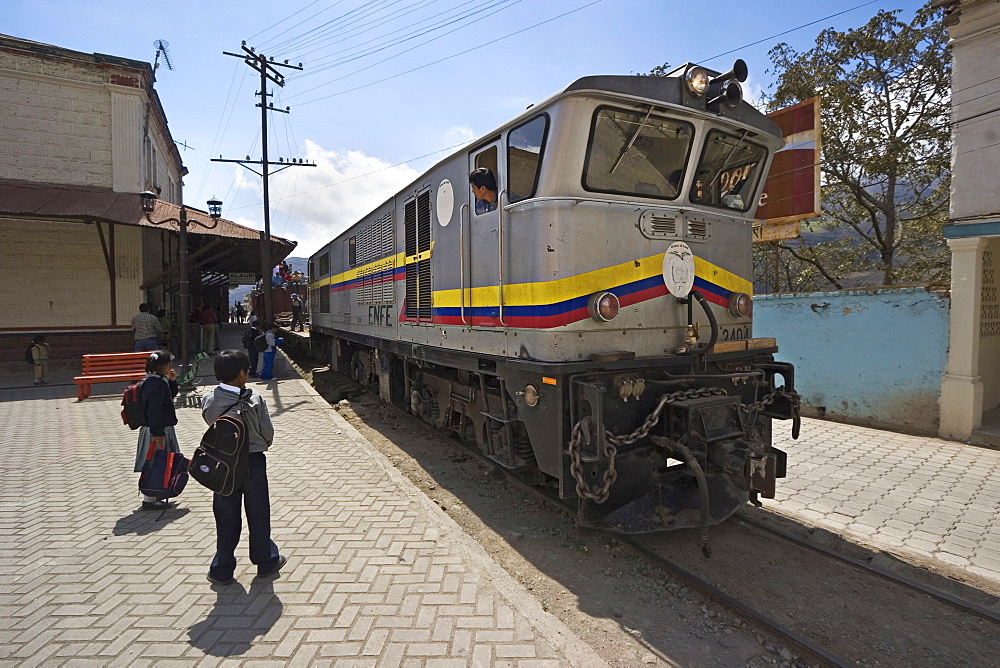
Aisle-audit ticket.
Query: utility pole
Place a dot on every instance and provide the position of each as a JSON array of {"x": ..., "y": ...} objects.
[{"x": 266, "y": 67}]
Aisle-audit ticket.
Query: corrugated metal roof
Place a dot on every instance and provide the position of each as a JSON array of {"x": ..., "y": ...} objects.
[{"x": 21, "y": 198}]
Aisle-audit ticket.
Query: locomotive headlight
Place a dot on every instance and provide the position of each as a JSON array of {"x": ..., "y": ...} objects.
[
  {"x": 740, "y": 305},
  {"x": 603, "y": 306},
  {"x": 696, "y": 79},
  {"x": 530, "y": 394}
]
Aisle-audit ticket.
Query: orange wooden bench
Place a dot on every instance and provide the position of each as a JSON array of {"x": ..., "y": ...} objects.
[{"x": 110, "y": 368}]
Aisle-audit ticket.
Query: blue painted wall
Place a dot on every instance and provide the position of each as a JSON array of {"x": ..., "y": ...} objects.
[{"x": 868, "y": 357}]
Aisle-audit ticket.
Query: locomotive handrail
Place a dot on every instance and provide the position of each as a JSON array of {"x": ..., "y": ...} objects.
[
  {"x": 461, "y": 256},
  {"x": 500, "y": 235}
]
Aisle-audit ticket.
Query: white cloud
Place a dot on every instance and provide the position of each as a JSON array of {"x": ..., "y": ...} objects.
[
  {"x": 312, "y": 205},
  {"x": 457, "y": 134},
  {"x": 755, "y": 94}
]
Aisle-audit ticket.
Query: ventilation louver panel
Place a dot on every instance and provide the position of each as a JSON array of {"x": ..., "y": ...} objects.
[
  {"x": 324, "y": 300},
  {"x": 660, "y": 225},
  {"x": 417, "y": 243},
  {"x": 697, "y": 228}
]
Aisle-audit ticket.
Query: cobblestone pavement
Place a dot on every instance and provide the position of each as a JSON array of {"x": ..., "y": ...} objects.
[
  {"x": 376, "y": 574},
  {"x": 909, "y": 495}
]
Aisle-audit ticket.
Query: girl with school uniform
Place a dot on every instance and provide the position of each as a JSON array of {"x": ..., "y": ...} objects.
[{"x": 159, "y": 388}]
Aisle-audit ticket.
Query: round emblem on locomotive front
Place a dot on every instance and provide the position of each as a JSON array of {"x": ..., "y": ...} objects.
[{"x": 678, "y": 269}]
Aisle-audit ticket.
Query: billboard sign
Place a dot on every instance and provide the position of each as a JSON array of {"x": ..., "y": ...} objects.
[{"x": 792, "y": 190}]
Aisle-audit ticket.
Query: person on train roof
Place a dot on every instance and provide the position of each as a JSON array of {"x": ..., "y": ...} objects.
[{"x": 484, "y": 188}]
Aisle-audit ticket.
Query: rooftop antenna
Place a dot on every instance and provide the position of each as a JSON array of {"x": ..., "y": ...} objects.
[{"x": 161, "y": 48}]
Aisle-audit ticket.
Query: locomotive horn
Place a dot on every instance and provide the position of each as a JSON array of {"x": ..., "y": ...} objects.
[
  {"x": 731, "y": 95},
  {"x": 739, "y": 72}
]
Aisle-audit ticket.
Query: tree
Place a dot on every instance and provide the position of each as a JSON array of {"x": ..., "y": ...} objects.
[{"x": 885, "y": 90}]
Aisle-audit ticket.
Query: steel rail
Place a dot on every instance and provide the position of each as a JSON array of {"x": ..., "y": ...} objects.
[
  {"x": 708, "y": 590},
  {"x": 804, "y": 646},
  {"x": 951, "y": 599}
]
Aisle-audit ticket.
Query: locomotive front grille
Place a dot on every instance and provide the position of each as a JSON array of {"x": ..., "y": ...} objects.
[
  {"x": 697, "y": 228},
  {"x": 658, "y": 225},
  {"x": 663, "y": 226}
]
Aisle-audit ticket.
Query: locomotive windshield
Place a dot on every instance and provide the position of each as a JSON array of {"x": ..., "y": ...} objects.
[
  {"x": 636, "y": 153},
  {"x": 728, "y": 171}
]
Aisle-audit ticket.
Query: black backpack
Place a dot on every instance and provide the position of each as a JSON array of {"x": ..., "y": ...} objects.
[
  {"x": 29, "y": 357},
  {"x": 222, "y": 460},
  {"x": 260, "y": 343},
  {"x": 164, "y": 474},
  {"x": 132, "y": 413},
  {"x": 248, "y": 338}
]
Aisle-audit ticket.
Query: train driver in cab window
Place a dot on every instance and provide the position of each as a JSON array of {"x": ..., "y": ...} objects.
[{"x": 484, "y": 189}]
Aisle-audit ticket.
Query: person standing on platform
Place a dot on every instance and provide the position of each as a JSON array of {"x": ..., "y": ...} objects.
[
  {"x": 296, "y": 312},
  {"x": 156, "y": 397},
  {"x": 234, "y": 398},
  {"x": 147, "y": 329},
  {"x": 208, "y": 320},
  {"x": 40, "y": 354},
  {"x": 267, "y": 372},
  {"x": 252, "y": 352}
]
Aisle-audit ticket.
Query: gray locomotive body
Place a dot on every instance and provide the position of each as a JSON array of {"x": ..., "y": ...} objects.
[{"x": 592, "y": 327}]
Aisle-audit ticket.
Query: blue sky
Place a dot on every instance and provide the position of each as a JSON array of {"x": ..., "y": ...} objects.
[{"x": 367, "y": 123}]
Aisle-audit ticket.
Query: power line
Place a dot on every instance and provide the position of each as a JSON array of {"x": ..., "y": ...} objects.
[
  {"x": 375, "y": 171},
  {"x": 353, "y": 24},
  {"x": 384, "y": 60},
  {"x": 456, "y": 55},
  {"x": 417, "y": 31},
  {"x": 338, "y": 38},
  {"x": 274, "y": 25},
  {"x": 294, "y": 42},
  {"x": 790, "y": 30}
]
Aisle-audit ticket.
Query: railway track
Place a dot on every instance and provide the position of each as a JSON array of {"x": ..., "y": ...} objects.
[
  {"x": 939, "y": 594},
  {"x": 708, "y": 578},
  {"x": 806, "y": 648}
]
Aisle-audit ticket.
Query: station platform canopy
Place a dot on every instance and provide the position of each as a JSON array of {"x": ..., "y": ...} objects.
[{"x": 215, "y": 249}]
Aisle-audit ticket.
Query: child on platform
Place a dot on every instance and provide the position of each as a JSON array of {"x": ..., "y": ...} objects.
[
  {"x": 232, "y": 397},
  {"x": 159, "y": 388}
]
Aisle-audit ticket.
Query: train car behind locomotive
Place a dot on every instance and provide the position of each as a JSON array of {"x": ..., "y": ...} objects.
[{"x": 587, "y": 321}]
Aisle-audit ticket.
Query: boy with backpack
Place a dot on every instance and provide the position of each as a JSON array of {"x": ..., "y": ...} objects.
[{"x": 233, "y": 398}]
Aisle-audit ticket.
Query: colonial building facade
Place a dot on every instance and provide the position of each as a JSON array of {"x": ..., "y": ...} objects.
[
  {"x": 81, "y": 135},
  {"x": 971, "y": 384}
]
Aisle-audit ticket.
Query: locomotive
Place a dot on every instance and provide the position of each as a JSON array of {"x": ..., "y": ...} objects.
[{"x": 584, "y": 318}]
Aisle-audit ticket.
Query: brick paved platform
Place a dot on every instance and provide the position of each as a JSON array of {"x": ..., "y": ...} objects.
[
  {"x": 377, "y": 574},
  {"x": 909, "y": 495}
]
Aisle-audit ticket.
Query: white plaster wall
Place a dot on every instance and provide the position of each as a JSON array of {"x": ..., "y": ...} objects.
[
  {"x": 54, "y": 131},
  {"x": 61, "y": 122},
  {"x": 126, "y": 141},
  {"x": 976, "y": 89},
  {"x": 76, "y": 289}
]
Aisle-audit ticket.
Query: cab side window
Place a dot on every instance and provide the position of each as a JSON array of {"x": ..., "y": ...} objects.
[
  {"x": 484, "y": 181},
  {"x": 524, "y": 157}
]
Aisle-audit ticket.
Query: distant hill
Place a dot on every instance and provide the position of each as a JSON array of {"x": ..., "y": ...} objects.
[{"x": 297, "y": 264}]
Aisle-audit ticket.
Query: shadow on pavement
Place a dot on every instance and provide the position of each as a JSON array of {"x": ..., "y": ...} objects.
[
  {"x": 239, "y": 616},
  {"x": 142, "y": 522}
]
